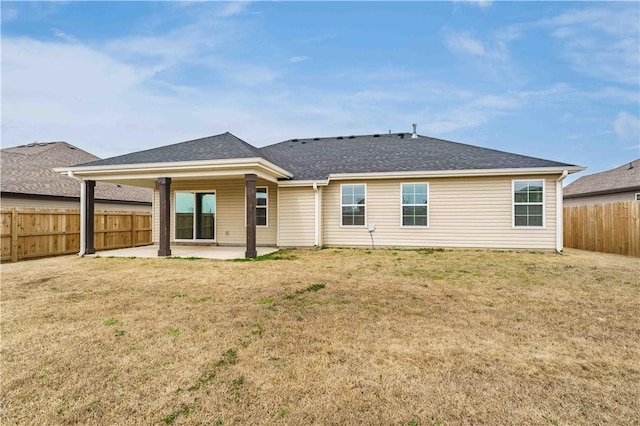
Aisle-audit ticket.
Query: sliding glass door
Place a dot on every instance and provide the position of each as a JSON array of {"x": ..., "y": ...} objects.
[{"x": 195, "y": 215}]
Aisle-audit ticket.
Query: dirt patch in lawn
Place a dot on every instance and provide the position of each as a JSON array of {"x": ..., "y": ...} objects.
[{"x": 332, "y": 336}]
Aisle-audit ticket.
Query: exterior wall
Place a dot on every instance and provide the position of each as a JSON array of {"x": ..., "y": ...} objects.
[
  {"x": 230, "y": 210},
  {"x": 463, "y": 212},
  {"x": 296, "y": 222},
  {"x": 601, "y": 199},
  {"x": 41, "y": 203}
]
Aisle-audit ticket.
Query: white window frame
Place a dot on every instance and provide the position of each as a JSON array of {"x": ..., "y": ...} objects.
[
  {"x": 342, "y": 185},
  {"x": 402, "y": 205},
  {"x": 637, "y": 196},
  {"x": 265, "y": 207},
  {"x": 173, "y": 217},
  {"x": 513, "y": 204}
]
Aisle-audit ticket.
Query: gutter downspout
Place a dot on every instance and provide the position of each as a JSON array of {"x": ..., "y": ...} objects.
[
  {"x": 316, "y": 234},
  {"x": 83, "y": 214},
  {"x": 560, "y": 213}
]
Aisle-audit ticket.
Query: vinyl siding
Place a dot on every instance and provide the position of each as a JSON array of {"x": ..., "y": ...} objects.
[
  {"x": 39, "y": 203},
  {"x": 601, "y": 199},
  {"x": 463, "y": 212},
  {"x": 296, "y": 217},
  {"x": 230, "y": 210}
]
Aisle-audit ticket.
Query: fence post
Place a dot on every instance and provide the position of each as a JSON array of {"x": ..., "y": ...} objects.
[
  {"x": 133, "y": 229},
  {"x": 14, "y": 235}
]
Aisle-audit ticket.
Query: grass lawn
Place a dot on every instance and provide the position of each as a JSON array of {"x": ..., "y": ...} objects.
[{"x": 334, "y": 336}]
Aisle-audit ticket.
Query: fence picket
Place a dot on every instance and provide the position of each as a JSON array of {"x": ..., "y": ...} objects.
[
  {"x": 31, "y": 233},
  {"x": 606, "y": 228}
]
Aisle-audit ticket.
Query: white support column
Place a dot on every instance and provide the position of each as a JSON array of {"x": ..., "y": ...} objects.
[
  {"x": 316, "y": 216},
  {"x": 83, "y": 215}
]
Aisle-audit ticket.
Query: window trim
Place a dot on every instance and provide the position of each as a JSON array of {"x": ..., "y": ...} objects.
[
  {"x": 257, "y": 207},
  {"x": 265, "y": 207},
  {"x": 513, "y": 204},
  {"x": 340, "y": 205},
  {"x": 637, "y": 196},
  {"x": 402, "y": 225}
]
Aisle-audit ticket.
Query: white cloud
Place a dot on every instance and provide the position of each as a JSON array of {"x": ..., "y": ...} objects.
[
  {"x": 463, "y": 42},
  {"x": 627, "y": 126},
  {"x": 296, "y": 59},
  {"x": 9, "y": 13},
  {"x": 601, "y": 42},
  {"x": 232, "y": 8},
  {"x": 480, "y": 3}
]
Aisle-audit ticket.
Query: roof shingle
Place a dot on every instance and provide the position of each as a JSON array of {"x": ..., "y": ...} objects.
[
  {"x": 28, "y": 169},
  {"x": 317, "y": 158},
  {"x": 621, "y": 179}
]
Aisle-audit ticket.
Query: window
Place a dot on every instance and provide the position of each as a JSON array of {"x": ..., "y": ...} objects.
[
  {"x": 638, "y": 196},
  {"x": 195, "y": 215},
  {"x": 415, "y": 198},
  {"x": 354, "y": 206},
  {"x": 262, "y": 206},
  {"x": 528, "y": 203}
]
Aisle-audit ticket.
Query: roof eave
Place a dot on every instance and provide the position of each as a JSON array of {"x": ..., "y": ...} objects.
[
  {"x": 458, "y": 173},
  {"x": 603, "y": 192},
  {"x": 181, "y": 168}
]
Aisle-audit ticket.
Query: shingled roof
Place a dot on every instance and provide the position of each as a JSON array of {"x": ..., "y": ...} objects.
[
  {"x": 621, "y": 179},
  {"x": 219, "y": 147},
  {"x": 28, "y": 169},
  {"x": 317, "y": 158}
]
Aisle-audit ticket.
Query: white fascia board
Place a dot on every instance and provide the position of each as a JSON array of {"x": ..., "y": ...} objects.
[
  {"x": 201, "y": 174},
  {"x": 456, "y": 173},
  {"x": 179, "y": 169},
  {"x": 295, "y": 183}
]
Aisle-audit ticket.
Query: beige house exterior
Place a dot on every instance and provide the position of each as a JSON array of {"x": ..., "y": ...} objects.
[{"x": 286, "y": 195}]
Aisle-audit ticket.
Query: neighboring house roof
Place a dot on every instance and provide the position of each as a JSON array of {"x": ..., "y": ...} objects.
[
  {"x": 28, "y": 170},
  {"x": 219, "y": 147},
  {"x": 317, "y": 158},
  {"x": 621, "y": 179}
]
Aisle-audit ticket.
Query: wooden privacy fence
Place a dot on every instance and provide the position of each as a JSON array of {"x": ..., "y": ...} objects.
[
  {"x": 607, "y": 228},
  {"x": 29, "y": 234}
]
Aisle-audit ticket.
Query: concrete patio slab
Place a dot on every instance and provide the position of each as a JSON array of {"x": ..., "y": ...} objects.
[{"x": 205, "y": 252}]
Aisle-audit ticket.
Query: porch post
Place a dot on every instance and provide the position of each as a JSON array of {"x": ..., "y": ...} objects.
[
  {"x": 89, "y": 199},
  {"x": 164, "y": 186},
  {"x": 250, "y": 184}
]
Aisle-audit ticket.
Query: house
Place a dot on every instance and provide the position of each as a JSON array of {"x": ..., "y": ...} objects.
[
  {"x": 396, "y": 190},
  {"x": 619, "y": 184},
  {"x": 28, "y": 180}
]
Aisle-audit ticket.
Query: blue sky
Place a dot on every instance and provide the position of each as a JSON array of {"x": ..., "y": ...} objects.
[{"x": 557, "y": 80}]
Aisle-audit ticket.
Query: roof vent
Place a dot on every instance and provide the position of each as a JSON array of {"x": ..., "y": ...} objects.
[
  {"x": 340, "y": 137},
  {"x": 401, "y": 135},
  {"x": 376, "y": 135},
  {"x": 414, "y": 135},
  {"x": 303, "y": 142},
  {"x": 631, "y": 165},
  {"x": 351, "y": 137},
  {"x": 294, "y": 140}
]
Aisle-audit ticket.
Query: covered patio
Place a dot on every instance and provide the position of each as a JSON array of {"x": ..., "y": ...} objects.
[{"x": 204, "y": 252}]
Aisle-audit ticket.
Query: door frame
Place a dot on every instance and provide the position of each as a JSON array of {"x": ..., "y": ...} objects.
[{"x": 215, "y": 217}]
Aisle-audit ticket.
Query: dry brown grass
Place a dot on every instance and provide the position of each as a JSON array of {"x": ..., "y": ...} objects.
[{"x": 394, "y": 337}]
